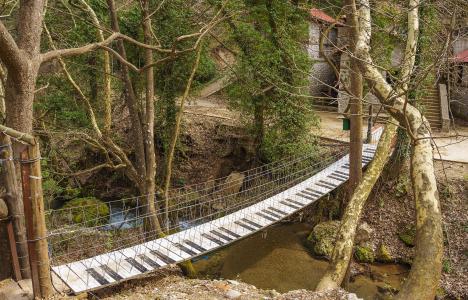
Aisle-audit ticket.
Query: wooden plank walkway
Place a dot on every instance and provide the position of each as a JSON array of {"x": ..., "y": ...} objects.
[{"x": 110, "y": 268}]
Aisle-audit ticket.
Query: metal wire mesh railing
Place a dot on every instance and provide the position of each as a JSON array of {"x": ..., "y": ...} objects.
[{"x": 76, "y": 233}]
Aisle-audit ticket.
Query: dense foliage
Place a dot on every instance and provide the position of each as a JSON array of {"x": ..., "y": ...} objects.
[{"x": 271, "y": 76}]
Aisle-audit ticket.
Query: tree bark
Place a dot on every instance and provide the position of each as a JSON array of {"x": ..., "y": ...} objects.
[
  {"x": 130, "y": 98},
  {"x": 152, "y": 226},
  {"x": 343, "y": 249},
  {"x": 107, "y": 68},
  {"x": 423, "y": 279},
  {"x": 355, "y": 106},
  {"x": 20, "y": 60},
  {"x": 38, "y": 240}
]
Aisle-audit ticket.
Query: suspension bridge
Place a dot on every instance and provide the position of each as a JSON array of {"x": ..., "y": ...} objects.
[{"x": 89, "y": 254}]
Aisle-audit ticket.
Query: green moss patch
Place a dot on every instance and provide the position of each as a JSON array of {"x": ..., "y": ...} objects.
[
  {"x": 364, "y": 254},
  {"x": 88, "y": 211},
  {"x": 383, "y": 254},
  {"x": 407, "y": 236}
]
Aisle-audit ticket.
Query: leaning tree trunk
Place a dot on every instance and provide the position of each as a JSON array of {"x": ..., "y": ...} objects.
[
  {"x": 130, "y": 97},
  {"x": 423, "y": 279},
  {"x": 343, "y": 249}
]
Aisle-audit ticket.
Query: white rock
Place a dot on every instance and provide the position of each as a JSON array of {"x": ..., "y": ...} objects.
[
  {"x": 233, "y": 282},
  {"x": 233, "y": 294},
  {"x": 353, "y": 296}
]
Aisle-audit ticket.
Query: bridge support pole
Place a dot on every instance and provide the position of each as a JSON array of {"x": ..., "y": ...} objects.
[{"x": 35, "y": 221}]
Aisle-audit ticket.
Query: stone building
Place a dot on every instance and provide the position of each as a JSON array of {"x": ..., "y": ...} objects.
[
  {"x": 323, "y": 80},
  {"x": 325, "y": 89},
  {"x": 329, "y": 94},
  {"x": 458, "y": 77}
]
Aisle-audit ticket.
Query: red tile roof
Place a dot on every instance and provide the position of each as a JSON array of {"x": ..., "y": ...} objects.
[
  {"x": 322, "y": 16},
  {"x": 461, "y": 56}
]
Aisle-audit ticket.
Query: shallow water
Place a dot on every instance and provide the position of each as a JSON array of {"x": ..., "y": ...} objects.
[{"x": 277, "y": 259}]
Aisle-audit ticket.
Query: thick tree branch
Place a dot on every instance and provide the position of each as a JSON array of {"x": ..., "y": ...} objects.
[
  {"x": 10, "y": 54},
  {"x": 93, "y": 169},
  {"x": 53, "y": 54}
]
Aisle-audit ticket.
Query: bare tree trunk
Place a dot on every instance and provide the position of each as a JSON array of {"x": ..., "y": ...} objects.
[
  {"x": 107, "y": 69},
  {"x": 343, "y": 249},
  {"x": 424, "y": 276},
  {"x": 20, "y": 61},
  {"x": 152, "y": 226},
  {"x": 355, "y": 106},
  {"x": 130, "y": 99},
  {"x": 355, "y": 138},
  {"x": 175, "y": 136}
]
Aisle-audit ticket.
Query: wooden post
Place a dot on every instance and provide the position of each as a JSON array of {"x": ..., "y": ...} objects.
[
  {"x": 35, "y": 221},
  {"x": 14, "y": 203},
  {"x": 14, "y": 253}
]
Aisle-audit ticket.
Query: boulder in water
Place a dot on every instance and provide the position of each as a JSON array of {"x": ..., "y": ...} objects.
[{"x": 322, "y": 238}]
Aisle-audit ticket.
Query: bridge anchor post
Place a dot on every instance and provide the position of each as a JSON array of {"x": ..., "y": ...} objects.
[{"x": 35, "y": 221}]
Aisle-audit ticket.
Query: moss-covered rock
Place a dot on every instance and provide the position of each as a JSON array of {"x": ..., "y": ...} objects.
[
  {"x": 364, "y": 254},
  {"x": 383, "y": 254},
  {"x": 322, "y": 238},
  {"x": 88, "y": 211},
  {"x": 408, "y": 235}
]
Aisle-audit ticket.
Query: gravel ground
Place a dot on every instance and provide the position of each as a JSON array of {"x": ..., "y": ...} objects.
[{"x": 179, "y": 288}]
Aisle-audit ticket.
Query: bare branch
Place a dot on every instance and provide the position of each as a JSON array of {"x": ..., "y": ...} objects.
[
  {"x": 10, "y": 54},
  {"x": 93, "y": 169},
  {"x": 53, "y": 54}
]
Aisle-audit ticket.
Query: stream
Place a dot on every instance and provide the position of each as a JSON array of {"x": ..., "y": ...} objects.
[{"x": 277, "y": 259}]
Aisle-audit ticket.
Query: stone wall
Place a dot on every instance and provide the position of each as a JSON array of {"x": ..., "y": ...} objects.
[
  {"x": 322, "y": 76},
  {"x": 460, "y": 44},
  {"x": 459, "y": 102},
  {"x": 343, "y": 97}
]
